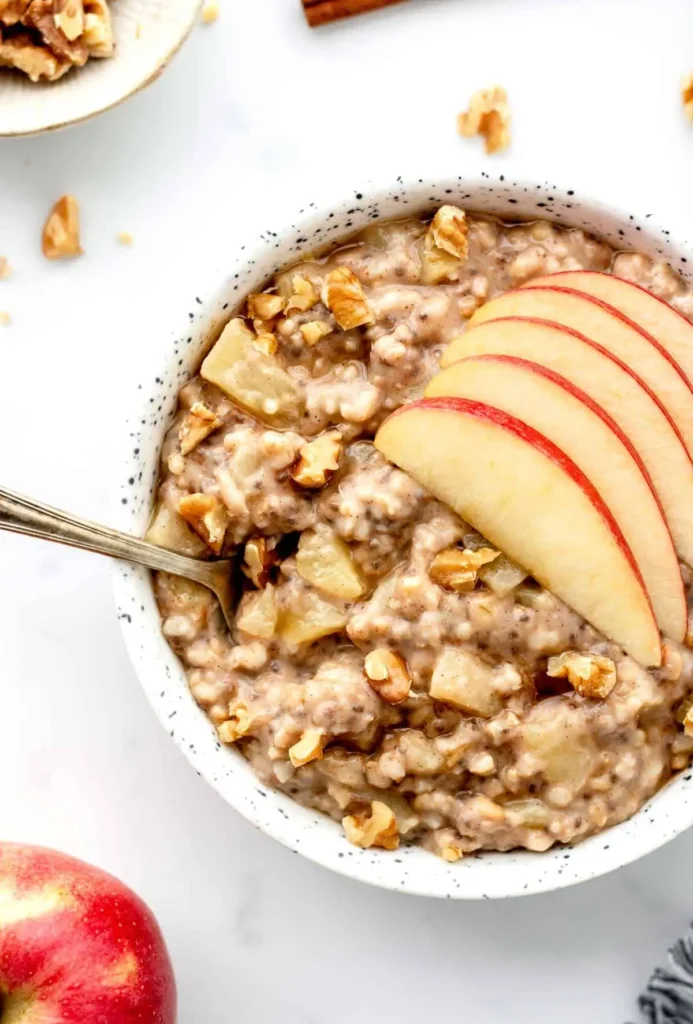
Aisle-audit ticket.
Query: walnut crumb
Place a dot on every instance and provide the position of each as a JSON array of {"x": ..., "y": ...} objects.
[
  {"x": 60, "y": 238},
  {"x": 5, "y": 318},
  {"x": 687, "y": 95},
  {"x": 388, "y": 675},
  {"x": 377, "y": 829},
  {"x": 5, "y": 269},
  {"x": 210, "y": 12},
  {"x": 488, "y": 115},
  {"x": 125, "y": 238},
  {"x": 589, "y": 674}
]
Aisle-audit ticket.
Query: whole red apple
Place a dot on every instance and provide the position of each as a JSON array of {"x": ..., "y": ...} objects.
[{"x": 77, "y": 946}]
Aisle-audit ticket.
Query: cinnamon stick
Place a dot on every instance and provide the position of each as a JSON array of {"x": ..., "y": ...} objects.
[{"x": 321, "y": 12}]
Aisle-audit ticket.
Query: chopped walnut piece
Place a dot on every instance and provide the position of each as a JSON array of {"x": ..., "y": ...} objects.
[
  {"x": 314, "y": 330},
  {"x": 451, "y": 853},
  {"x": 388, "y": 675},
  {"x": 258, "y": 559},
  {"x": 5, "y": 318},
  {"x": 488, "y": 115},
  {"x": 98, "y": 28},
  {"x": 309, "y": 747},
  {"x": 125, "y": 238},
  {"x": 199, "y": 423},
  {"x": 687, "y": 95},
  {"x": 258, "y": 613},
  {"x": 317, "y": 460},
  {"x": 377, "y": 829},
  {"x": 457, "y": 570},
  {"x": 38, "y": 62},
  {"x": 40, "y": 16},
  {"x": 264, "y": 341},
  {"x": 304, "y": 296},
  {"x": 13, "y": 11},
  {"x": 589, "y": 674},
  {"x": 263, "y": 306},
  {"x": 449, "y": 231},
  {"x": 237, "y": 725},
  {"x": 5, "y": 268},
  {"x": 343, "y": 294},
  {"x": 68, "y": 16},
  {"x": 208, "y": 518},
  {"x": 210, "y": 12},
  {"x": 61, "y": 230}
]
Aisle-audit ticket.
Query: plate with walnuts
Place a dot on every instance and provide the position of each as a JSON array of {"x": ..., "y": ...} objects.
[{"x": 63, "y": 61}]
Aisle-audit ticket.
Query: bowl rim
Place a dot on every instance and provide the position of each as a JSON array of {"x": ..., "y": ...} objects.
[
  {"x": 146, "y": 79},
  {"x": 481, "y": 876}
]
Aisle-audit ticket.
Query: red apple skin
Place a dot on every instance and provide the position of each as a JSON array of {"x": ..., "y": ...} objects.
[
  {"x": 77, "y": 946},
  {"x": 623, "y": 318}
]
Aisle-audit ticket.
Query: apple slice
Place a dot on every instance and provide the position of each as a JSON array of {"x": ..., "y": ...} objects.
[
  {"x": 666, "y": 325},
  {"x": 587, "y": 434},
  {"x": 531, "y": 501},
  {"x": 618, "y": 390},
  {"x": 608, "y": 327}
]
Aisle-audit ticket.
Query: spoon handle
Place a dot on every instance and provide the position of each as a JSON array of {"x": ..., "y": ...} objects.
[{"x": 34, "y": 519}]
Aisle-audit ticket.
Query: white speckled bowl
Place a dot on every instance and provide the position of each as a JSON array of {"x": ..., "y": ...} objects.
[
  {"x": 148, "y": 33},
  {"x": 409, "y": 869}
]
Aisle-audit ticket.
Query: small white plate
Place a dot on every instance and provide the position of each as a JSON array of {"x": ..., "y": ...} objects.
[{"x": 148, "y": 33}]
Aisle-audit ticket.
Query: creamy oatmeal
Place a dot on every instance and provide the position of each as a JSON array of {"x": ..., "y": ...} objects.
[{"x": 388, "y": 666}]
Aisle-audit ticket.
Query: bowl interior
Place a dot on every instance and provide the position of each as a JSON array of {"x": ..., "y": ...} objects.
[
  {"x": 148, "y": 33},
  {"x": 409, "y": 869}
]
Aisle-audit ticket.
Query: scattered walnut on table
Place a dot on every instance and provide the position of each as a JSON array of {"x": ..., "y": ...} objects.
[
  {"x": 5, "y": 268},
  {"x": 488, "y": 115},
  {"x": 210, "y": 12},
  {"x": 687, "y": 95},
  {"x": 590, "y": 675},
  {"x": 60, "y": 239}
]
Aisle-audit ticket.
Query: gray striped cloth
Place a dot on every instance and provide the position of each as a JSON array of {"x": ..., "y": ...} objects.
[{"x": 668, "y": 998}]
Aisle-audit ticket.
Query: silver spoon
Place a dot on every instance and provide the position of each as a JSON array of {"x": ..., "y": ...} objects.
[{"x": 34, "y": 519}]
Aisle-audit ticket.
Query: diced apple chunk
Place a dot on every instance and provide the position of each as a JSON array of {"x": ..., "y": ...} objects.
[
  {"x": 252, "y": 378},
  {"x": 168, "y": 530},
  {"x": 309, "y": 618},
  {"x": 258, "y": 613},
  {"x": 464, "y": 681},
  {"x": 502, "y": 576},
  {"x": 324, "y": 560},
  {"x": 557, "y": 736}
]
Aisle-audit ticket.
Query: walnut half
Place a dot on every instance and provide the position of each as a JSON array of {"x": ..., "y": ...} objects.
[
  {"x": 488, "y": 115},
  {"x": 589, "y": 674},
  {"x": 377, "y": 829}
]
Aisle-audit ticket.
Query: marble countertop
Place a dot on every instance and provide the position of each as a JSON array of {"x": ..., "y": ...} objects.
[{"x": 254, "y": 110}]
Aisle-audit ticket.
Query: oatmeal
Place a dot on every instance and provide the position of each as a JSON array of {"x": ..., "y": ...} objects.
[{"x": 389, "y": 666}]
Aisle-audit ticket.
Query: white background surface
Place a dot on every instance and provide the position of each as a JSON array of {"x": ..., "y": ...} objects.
[{"x": 255, "y": 110}]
